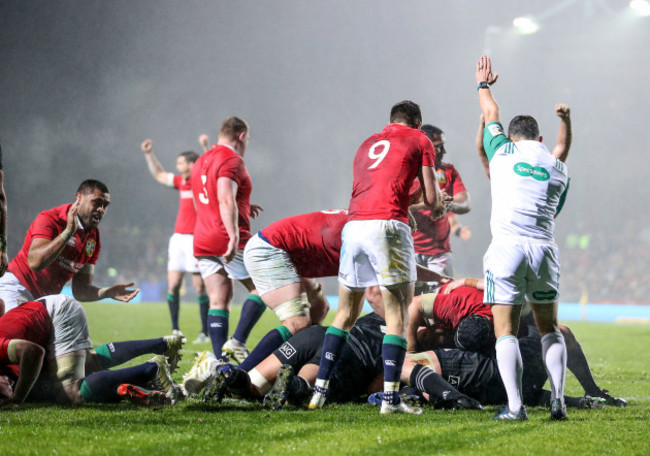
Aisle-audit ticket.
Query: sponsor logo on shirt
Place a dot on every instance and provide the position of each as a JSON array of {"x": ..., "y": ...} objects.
[
  {"x": 186, "y": 194},
  {"x": 442, "y": 177},
  {"x": 287, "y": 350},
  {"x": 90, "y": 247},
  {"x": 536, "y": 172},
  {"x": 545, "y": 295}
]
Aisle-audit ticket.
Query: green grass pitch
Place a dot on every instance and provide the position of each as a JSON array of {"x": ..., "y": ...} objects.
[{"x": 618, "y": 356}]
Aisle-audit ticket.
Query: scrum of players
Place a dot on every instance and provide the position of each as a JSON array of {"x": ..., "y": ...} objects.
[{"x": 454, "y": 344}]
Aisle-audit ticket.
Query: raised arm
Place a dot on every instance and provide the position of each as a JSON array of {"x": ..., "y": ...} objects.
[
  {"x": 43, "y": 252},
  {"x": 204, "y": 141},
  {"x": 484, "y": 78},
  {"x": 480, "y": 149},
  {"x": 226, "y": 191},
  {"x": 564, "y": 136},
  {"x": 155, "y": 168}
]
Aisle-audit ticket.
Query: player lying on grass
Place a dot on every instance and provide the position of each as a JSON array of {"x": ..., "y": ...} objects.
[
  {"x": 455, "y": 316},
  {"x": 50, "y": 337},
  {"x": 283, "y": 260},
  {"x": 359, "y": 373}
]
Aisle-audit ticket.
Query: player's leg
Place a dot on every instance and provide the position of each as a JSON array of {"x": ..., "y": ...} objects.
[
  {"x": 554, "y": 354},
  {"x": 204, "y": 307},
  {"x": 102, "y": 386},
  {"x": 292, "y": 308},
  {"x": 220, "y": 289},
  {"x": 319, "y": 306},
  {"x": 115, "y": 353},
  {"x": 175, "y": 257}
]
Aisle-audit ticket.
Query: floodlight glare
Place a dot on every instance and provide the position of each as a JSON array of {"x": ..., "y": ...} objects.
[
  {"x": 642, "y": 7},
  {"x": 526, "y": 25}
]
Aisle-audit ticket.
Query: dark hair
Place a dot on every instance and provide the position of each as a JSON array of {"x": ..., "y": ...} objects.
[
  {"x": 190, "y": 156},
  {"x": 406, "y": 112},
  {"x": 90, "y": 185},
  {"x": 474, "y": 333},
  {"x": 232, "y": 127},
  {"x": 523, "y": 127},
  {"x": 431, "y": 130}
]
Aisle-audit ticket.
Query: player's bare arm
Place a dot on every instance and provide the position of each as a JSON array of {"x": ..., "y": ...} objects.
[
  {"x": 29, "y": 357},
  {"x": 4, "y": 260},
  {"x": 43, "y": 252},
  {"x": 204, "y": 141},
  {"x": 226, "y": 191},
  {"x": 564, "y": 136},
  {"x": 480, "y": 149},
  {"x": 84, "y": 290},
  {"x": 414, "y": 322},
  {"x": 466, "y": 282},
  {"x": 431, "y": 193},
  {"x": 155, "y": 168},
  {"x": 489, "y": 107},
  {"x": 460, "y": 203}
]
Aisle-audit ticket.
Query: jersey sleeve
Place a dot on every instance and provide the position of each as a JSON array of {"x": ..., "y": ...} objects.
[
  {"x": 174, "y": 180},
  {"x": 457, "y": 183},
  {"x": 428, "y": 152},
  {"x": 563, "y": 197},
  {"x": 231, "y": 168},
  {"x": 44, "y": 227},
  {"x": 493, "y": 138}
]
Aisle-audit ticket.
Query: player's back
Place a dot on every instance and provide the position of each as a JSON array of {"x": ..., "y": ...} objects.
[
  {"x": 384, "y": 169},
  {"x": 527, "y": 185},
  {"x": 210, "y": 235},
  {"x": 313, "y": 241}
]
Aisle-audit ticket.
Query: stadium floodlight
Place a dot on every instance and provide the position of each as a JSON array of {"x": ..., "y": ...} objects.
[
  {"x": 641, "y": 7},
  {"x": 526, "y": 25}
]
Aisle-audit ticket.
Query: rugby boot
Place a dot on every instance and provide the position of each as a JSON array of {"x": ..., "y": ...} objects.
[{"x": 507, "y": 415}]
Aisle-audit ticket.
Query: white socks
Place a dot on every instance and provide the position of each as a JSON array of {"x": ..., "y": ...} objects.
[
  {"x": 511, "y": 369},
  {"x": 554, "y": 355}
]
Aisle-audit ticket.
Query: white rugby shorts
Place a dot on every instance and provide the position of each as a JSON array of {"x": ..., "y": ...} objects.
[
  {"x": 180, "y": 254},
  {"x": 518, "y": 268},
  {"x": 440, "y": 263},
  {"x": 376, "y": 252},
  {"x": 69, "y": 323},
  {"x": 269, "y": 267},
  {"x": 12, "y": 292},
  {"x": 213, "y": 264}
]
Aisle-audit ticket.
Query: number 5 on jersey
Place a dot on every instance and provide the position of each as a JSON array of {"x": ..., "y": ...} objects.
[
  {"x": 378, "y": 157},
  {"x": 203, "y": 196}
]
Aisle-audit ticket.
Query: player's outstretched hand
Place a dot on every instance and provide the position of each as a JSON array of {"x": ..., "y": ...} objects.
[
  {"x": 147, "y": 146},
  {"x": 255, "y": 210},
  {"x": 484, "y": 71},
  {"x": 121, "y": 292},
  {"x": 453, "y": 285},
  {"x": 204, "y": 142},
  {"x": 72, "y": 217},
  {"x": 562, "y": 111}
]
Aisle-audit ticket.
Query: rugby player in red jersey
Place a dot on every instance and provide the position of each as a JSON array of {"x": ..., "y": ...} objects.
[
  {"x": 222, "y": 187},
  {"x": 62, "y": 244},
  {"x": 431, "y": 238},
  {"x": 55, "y": 328},
  {"x": 377, "y": 246},
  {"x": 181, "y": 250}
]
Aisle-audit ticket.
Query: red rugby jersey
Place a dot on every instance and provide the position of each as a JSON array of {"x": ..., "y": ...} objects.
[
  {"x": 29, "y": 321},
  {"x": 450, "y": 309},
  {"x": 210, "y": 236},
  {"x": 186, "y": 216},
  {"x": 83, "y": 248},
  {"x": 313, "y": 241},
  {"x": 432, "y": 236},
  {"x": 384, "y": 169}
]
